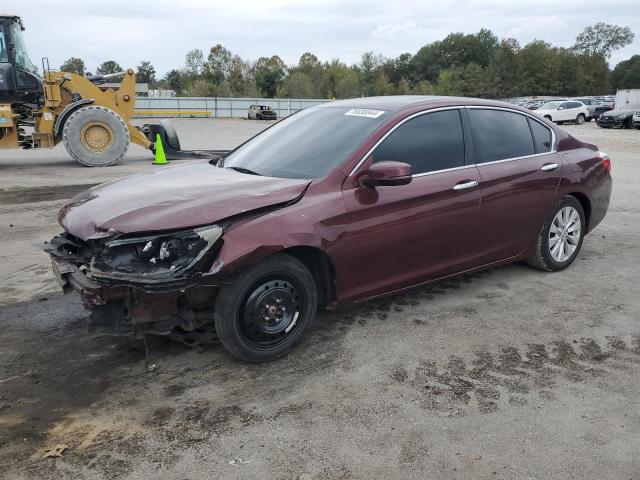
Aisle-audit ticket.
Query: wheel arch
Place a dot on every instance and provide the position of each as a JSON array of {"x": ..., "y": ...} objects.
[
  {"x": 68, "y": 110},
  {"x": 321, "y": 268},
  {"x": 586, "y": 205}
]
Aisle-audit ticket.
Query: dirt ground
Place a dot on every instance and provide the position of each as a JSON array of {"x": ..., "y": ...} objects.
[{"x": 508, "y": 373}]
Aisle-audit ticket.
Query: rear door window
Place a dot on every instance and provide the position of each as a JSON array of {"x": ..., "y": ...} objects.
[
  {"x": 429, "y": 142},
  {"x": 500, "y": 135},
  {"x": 541, "y": 136},
  {"x": 575, "y": 105}
]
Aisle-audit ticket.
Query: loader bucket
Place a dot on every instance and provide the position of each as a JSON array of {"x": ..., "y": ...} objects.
[{"x": 171, "y": 143}]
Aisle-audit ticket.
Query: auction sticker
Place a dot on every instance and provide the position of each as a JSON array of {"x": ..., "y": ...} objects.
[{"x": 364, "y": 112}]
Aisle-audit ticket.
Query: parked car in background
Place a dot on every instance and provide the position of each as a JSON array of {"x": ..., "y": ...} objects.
[
  {"x": 340, "y": 203},
  {"x": 635, "y": 120},
  {"x": 535, "y": 105},
  {"x": 261, "y": 112},
  {"x": 559, "y": 111},
  {"x": 606, "y": 104},
  {"x": 618, "y": 118},
  {"x": 591, "y": 104}
]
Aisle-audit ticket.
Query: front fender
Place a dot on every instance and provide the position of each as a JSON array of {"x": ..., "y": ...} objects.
[{"x": 68, "y": 110}]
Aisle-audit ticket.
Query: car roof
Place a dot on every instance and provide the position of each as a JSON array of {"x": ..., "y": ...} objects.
[{"x": 396, "y": 103}]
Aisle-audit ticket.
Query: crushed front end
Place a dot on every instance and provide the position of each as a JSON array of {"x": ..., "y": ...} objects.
[{"x": 140, "y": 284}]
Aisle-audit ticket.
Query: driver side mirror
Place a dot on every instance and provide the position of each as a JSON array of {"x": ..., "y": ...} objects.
[{"x": 387, "y": 174}]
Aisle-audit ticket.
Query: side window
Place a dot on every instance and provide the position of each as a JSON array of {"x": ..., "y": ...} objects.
[
  {"x": 430, "y": 142},
  {"x": 563, "y": 106},
  {"x": 574, "y": 105},
  {"x": 499, "y": 135},
  {"x": 541, "y": 136}
]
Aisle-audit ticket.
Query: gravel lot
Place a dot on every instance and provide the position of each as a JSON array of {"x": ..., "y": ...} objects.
[{"x": 508, "y": 373}]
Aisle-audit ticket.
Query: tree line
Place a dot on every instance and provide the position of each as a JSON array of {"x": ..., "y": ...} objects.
[{"x": 476, "y": 65}]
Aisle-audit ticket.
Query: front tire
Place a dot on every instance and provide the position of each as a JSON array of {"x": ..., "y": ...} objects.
[
  {"x": 96, "y": 136},
  {"x": 263, "y": 312},
  {"x": 561, "y": 237}
]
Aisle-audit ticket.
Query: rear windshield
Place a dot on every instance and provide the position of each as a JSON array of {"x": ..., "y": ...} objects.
[{"x": 308, "y": 144}]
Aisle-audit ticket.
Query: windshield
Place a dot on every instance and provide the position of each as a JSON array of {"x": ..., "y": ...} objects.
[
  {"x": 308, "y": 144},
  {"x": 22, "y": 57},
  {"x": 4, "y": 56},
  {"x": 549, "y": 106}
]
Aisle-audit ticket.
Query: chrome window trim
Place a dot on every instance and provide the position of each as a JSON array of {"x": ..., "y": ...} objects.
[
  {"x": 458, "y": 107},
  {"x": 393, "y": 129},
  {"x": 531, "y": 116}
]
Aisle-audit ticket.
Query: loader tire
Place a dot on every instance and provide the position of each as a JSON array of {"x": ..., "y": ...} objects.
[
  {"x": 96, "y": 136},
  {"x": 172, "y": 136}
]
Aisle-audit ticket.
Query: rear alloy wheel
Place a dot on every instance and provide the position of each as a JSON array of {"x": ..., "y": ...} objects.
[
  {"x": 580, "y": 119},
  {"x": 560, "y": 238},
  {"x": 263, "y": 312}
]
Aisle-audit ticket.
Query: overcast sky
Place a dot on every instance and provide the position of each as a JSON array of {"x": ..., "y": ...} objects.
[{"x": 163, "y": 31}]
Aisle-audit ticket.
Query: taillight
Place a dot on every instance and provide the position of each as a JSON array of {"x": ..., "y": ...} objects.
[{"x": 605, "y": 160}]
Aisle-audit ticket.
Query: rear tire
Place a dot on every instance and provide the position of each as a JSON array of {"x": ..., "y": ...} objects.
[
  {"x": 560, "y": 237},
  {"x": 172, "y": 136},
  {"x": 96, "y": 136},
  {"x": 263, "y": 311},
  {"x": 580, "y": 119}
]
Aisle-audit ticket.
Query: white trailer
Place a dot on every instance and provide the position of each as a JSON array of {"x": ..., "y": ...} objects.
[{"x": 628, "y": 99}]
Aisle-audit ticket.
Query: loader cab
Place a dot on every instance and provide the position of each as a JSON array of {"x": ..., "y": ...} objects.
[{"x": 19, "y": 81}]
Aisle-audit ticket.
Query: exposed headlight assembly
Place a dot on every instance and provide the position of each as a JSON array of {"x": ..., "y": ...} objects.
[{"x": 158, "y": 255}]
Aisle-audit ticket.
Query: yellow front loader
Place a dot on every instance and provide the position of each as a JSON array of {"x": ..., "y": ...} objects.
[{"x": 93, "y": 124}]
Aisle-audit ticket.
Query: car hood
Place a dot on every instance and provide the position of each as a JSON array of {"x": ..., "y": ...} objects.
[
  {"x": 173, "y": 198},
  {"x": 622, "y": 111}
]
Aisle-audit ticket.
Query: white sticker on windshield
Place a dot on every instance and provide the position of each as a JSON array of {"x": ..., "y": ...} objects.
[{"x": 364, "y": 112}]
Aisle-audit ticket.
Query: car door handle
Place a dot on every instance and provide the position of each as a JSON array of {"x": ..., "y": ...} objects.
[
  {"x": 465, "y": 185},
  {"x": 549, "y": 167}
]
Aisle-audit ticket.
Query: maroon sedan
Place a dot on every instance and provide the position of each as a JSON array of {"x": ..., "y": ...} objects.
[{"x": 339, "y": 203}]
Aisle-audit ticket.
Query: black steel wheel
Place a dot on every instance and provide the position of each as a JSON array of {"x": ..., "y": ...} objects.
[
  {"x": 263, "y": 312},
  {"x": 270, "y": 311}
]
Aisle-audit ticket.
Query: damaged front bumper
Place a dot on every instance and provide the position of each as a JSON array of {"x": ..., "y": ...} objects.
[{"x": 140, "y": 285}]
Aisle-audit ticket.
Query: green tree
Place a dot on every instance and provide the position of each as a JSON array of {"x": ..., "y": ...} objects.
[
  {"x": 596, "y": 74},
  {"x": 368, "y": 71},
  {"x": 505, "y": 70},
  {"x": 73, "y": 65},
  {"x": 423, "y": 88},
  {"x": 455, "y": 49},
  {"x": 340, "y": 81},
  {"x": 603, "y": 38},
  {"x": 541, "y": 68},
  {"x": 108, "y": 67},
  {"x": 268, "y": 73},
  {"x": 314, "y": 69},
  {"x": 194, "y": 62},
  {"x": 469, "y": 81},
  {"x": 175, "y": 80},
  {"x": 218, "y": 64},
  {"x": 627, "y": 73},
  {"x": 382, "y": 85},
  {"x": 296, "y": 85},
  {"x": 145, "y": 72}
]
